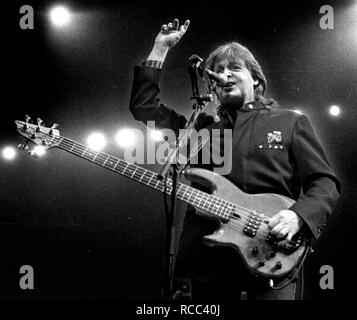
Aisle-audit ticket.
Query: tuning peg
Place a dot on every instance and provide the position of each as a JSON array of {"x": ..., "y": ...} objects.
[
  {"x": 54, "y": 126},
  {"x": 27, "y": 119},
  {"x": 39, "y": 122}
]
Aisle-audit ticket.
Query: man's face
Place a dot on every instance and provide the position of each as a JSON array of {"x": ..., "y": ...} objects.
[{"x": 239, "y": 88}]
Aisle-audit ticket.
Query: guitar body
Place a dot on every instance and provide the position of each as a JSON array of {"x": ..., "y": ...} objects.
[{"x": 259, "y": 251}]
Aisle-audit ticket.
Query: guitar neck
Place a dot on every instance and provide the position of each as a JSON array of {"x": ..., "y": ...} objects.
[{"x": 188, "y": 194}]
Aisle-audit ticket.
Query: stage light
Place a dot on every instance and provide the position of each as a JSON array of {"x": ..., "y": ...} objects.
[
  {"x": 335, "y": 111},
  {"x": 298, "y": 111},
  {"x": 96, "y": 141},
  {"x": 9, "y": 153},
  {"x": 125, "y": 138},
  {"x": 60, "y": 16},
  {"x": 38, "y": 151},
  {"x": 156, "y": 135}
]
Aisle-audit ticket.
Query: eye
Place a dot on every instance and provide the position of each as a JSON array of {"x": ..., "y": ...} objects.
[{"x": 236, "y": 67}]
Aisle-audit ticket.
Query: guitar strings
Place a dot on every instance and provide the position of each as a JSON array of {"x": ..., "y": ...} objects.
[
  {"x": 227, "y": 207},
  {"x": 217, "y": 200}
]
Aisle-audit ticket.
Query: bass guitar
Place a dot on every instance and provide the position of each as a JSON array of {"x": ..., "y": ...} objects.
[{"x": 243, "y": 218}]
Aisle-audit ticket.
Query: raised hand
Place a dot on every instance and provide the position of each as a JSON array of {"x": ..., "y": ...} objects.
[{"x": 171, "y": 33}]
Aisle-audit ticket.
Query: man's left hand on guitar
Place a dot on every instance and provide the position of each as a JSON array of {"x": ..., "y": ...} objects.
[{"x": 285, "y": 224}]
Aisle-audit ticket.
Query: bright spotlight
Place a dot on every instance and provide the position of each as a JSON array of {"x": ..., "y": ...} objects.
[
  {"x": 38, "y": 151},
  {"x": 156, "y": 135},
  {"x": 96, "y": 141},
  {"x": 9, "y": 153},
  {"x": 125, "y": 138},
  {"x": 60, "y": 16},
  {"x": 297, "y": 111},
  {"x": 335, "y": 111}
]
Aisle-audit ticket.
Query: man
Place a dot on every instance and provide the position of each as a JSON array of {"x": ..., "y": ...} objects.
[{"x": 273, "y": 151}]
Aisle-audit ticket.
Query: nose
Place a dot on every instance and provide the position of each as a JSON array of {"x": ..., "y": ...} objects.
[{"x": 227, "y": 73}]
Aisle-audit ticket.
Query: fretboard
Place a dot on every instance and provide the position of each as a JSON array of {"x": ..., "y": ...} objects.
[{"x": 188, "y": 194}]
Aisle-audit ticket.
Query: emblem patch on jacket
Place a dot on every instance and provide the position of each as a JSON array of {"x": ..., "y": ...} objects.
[
  {"x": 275, "y": 136},
  {"x": 273, "y": 141}
]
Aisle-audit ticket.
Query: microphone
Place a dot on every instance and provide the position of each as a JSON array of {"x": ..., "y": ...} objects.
[{"x": 219, "y": 79}]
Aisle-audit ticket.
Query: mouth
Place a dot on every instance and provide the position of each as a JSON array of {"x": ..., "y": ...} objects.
[{"x": 229, "y": 84}]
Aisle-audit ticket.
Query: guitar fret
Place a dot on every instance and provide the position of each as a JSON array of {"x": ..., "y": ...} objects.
[
  {"x": 106, "y": 160},
  {"x": 200, "y": 198},
  {"x": 178, "y": 190},
  {"x": 150, "y": 179},
  {"x": 84, "y": 151},
  {"x": 220, "y": 209},
  {"x": 134, "y": 171},
  {"x": 183, "y": 196},
  {"x": 125, "y": 168},
  {"x": 143, "y": 175},
  {"x": 195, "y": 197},
  {"x": 115, "y": 165},
  {"x": 204, "y": 204},
  {"x": 70, "y": 150},
  {"x": 95, "y": 156},
  {"x": 189, "y": 196}
]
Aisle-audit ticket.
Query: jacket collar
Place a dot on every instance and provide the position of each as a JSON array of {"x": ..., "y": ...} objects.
[{"x": 249, "y": 106}]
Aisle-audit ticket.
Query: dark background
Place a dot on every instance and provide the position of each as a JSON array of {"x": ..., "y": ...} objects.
[{"x": 89, "y": 233}]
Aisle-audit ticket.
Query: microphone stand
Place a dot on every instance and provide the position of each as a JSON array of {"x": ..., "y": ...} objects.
[{"x": 173, "y": 163}]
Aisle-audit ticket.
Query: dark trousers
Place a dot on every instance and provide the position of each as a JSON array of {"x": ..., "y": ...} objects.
[{"x": 187, "y": 289}]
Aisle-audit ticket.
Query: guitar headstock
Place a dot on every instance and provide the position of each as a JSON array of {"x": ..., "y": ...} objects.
[{"x": 43, "y": 137}]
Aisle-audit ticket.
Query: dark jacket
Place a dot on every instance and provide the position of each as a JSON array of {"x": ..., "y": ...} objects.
[{"x": 273, "y": 151}]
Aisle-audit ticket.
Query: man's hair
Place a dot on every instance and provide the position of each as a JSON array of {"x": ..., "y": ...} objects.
[{"x": 233, "y": 52}]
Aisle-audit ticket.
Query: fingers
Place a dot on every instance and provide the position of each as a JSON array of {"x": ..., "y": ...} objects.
[
  {"x": 184, "y": 27},
  {"x": 175, "y": 26},
  {"x": 285, "y": 240},
  {"x": 274, "y": 221},
  {"x": 279, "y": 231}
]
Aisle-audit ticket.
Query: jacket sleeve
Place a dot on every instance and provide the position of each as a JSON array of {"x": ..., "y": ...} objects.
[
  {"x": 320, "y": 187},
  {"x": 145, "y": 103}
]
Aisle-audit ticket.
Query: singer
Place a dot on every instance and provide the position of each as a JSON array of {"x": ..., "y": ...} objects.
[{"x": 274, "y": 150}]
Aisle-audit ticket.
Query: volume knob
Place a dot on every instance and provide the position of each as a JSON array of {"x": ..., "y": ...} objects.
[
  {"x": 261, "y": 263},
  {"x": 254, "y": 251}
]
